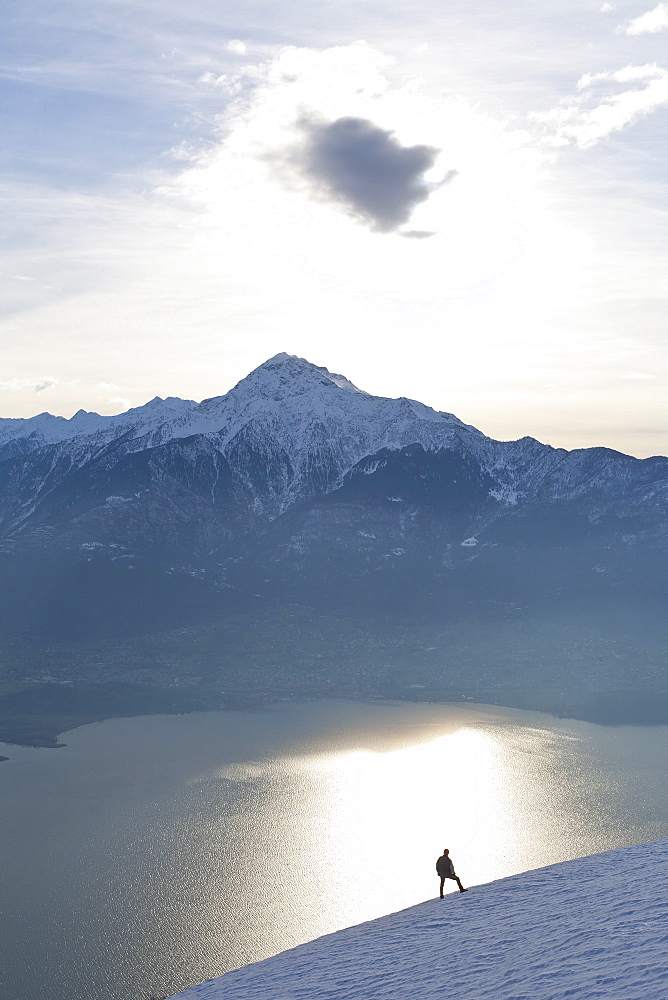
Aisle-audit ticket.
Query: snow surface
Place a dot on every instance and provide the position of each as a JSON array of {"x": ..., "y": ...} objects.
[
  {"x": 45, "y": 428},
  {"x": 595, "y": 927}
]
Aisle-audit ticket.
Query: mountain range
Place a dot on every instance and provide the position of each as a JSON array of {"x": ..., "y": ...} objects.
[{"x": 302, "y": 534}]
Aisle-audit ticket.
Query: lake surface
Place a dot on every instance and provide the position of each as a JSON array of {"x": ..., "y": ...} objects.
[{"x": 152, "y": 853}]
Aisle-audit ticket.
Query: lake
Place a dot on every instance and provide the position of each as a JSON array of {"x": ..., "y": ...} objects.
[{"x": 154, "y": 852}]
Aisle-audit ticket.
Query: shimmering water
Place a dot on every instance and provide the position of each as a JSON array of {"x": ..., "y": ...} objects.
[{"x": 152, "y": 853}]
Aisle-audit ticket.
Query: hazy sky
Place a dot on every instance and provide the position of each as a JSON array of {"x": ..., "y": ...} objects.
[{"x": 462, "y": 203}]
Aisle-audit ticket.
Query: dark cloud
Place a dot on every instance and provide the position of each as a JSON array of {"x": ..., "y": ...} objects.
[
  {"x": 365, "y": 167},
  {"x": 45, "y": 383}
]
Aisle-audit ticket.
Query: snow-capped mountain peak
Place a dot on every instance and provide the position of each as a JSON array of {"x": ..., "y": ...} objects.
[
  {"x": 319, "y": 421},
  {"x": 287, "y": 374},
  {"x": 286, "y": 392},
  {"x": 305, "y": 426}
]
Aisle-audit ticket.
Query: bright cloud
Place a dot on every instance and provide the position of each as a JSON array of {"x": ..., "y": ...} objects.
[
  {"x": 38, "y": 384},
  {"x": 593, "y": 115},
  {"x": 330, "y": 123},
  {"x": 649, "y": 23},
  {"x": 236, "y": 242}
]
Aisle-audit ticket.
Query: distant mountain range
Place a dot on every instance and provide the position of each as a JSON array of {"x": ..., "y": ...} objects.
[{"x": 298, "y": 494}]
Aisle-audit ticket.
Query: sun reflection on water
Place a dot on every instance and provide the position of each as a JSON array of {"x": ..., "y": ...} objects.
[
  {"x": 502, "y": 800},
  {"x": 348, "y": 834},
  {"x": 392, "y": 813}
]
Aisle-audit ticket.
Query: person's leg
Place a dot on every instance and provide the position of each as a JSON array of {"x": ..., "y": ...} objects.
[
  {"x": 461, "y": 887},
  {"x": 442, "y": 884}
]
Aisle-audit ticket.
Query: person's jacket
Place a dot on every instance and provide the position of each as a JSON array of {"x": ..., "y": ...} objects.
[{"x": 444, "y": 866}]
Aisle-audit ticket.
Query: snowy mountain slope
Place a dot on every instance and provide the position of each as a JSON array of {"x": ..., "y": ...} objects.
[
  {"x": 285, "y": 389},
  {"x": 19, "y": 435},
  {"x": 286, "y": 434},
  {"x": 591, "y": 928},
  {"x": 319, "y": 423}
]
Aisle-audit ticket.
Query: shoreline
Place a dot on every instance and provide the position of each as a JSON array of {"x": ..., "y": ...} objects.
[
  {"x": 57, "y": 709},
  {"x": 73, "y": 707}
]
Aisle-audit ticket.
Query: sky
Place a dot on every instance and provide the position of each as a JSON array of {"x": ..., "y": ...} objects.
[{"x": 461, "y": 203}]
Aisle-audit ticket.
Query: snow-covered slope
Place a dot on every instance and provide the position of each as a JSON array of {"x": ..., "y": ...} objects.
[
  {"x": 592, "y": 928},
  {"x": 45, "y": 428},
  {"x": 288, "y": 408}
]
